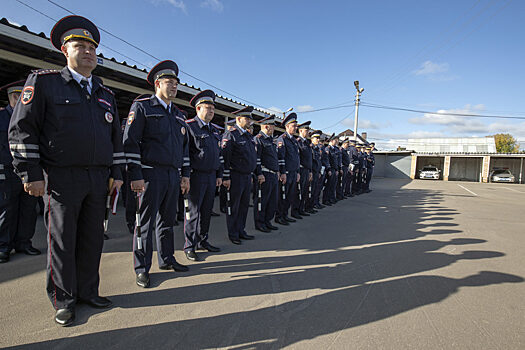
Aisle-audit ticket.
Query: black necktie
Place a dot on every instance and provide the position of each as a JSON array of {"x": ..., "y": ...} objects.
[{"x": 84, "y": 84}]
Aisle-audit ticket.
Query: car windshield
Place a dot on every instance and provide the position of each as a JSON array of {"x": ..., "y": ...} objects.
[
  {"x": 429, "y": 168},
  {"x": 501, "y": 171}
]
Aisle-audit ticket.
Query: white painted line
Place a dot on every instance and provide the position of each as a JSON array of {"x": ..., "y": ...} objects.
[
  {"x": 513, "y": 190},
  {"x": 466, "y": 189}
]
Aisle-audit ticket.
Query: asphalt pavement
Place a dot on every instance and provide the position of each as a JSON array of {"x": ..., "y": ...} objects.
[{"x": 411, "y": 265}]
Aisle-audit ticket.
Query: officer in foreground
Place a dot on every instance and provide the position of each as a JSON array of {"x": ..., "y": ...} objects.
[
  {"x": 17, "y": 208},
  {"x": 65, "y": 131},
  {"x": 156, "y": 146},
  {"x": 267, "y": 172},
  {"x": 240, "y": 159},
  {"x": 206, "y": 174},
  {"x": 305, "y": 171}
]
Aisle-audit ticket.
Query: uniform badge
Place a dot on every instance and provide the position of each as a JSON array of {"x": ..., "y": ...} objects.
[
  {"x": 131, "y": 117},
  {"x": 183, "y": 130},
  {"x": 27, "y": 94},
  {"x": 279, "y": 144},
  {"x": 109, "y": 117},
  {"x": 224, "y": 142}
]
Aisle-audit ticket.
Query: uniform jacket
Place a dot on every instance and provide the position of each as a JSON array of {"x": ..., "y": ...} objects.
[
  {"x": 238, "y": 150},
  {"x": 56, "y": 125},
  {"x": 316, "y": 156},
  {"x": 204, "y": 148},
  {"x": 288, "y": 151},
  {"x": 266, "y": 153},
  {"x": 305, "y": 153},
  {"x": 155, "y": 137}
]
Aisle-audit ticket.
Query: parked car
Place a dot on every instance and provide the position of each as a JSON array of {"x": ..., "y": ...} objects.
[
  {"x": 501, "y": 175},
  {"x": 430, "y": 172}
]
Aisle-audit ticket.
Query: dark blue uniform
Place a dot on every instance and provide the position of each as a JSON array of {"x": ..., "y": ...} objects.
[
  {"x": 206, "y": 166},
  {"x": 339, "y": 183},
  {"x": 325, "y": 169},
  {"x": 269, "y": 167},
  {"x": 288, "y": 152},
  {"x": 17, "y": 207},
  {"x": 305, "y": 170},
  {"x": 316, "y": 173},
  {"x": 240, "y": 160},
  {"x": 331, "y": 183},
  {"x": 72, "y": 138},
  {"x": 353, "y": 153},
  {"x": 370, "y": 162},
  {"x": 346, "y": 173},
  {"x": 156, "y": 147}
]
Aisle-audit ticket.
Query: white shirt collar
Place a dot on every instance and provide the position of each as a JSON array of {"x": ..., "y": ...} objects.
[
  {"x": 265, "y": 134},
  {"x": 241, "y": 129},
  {"x": 78, "y": 77},
  {"x": 164, "y": 104}
]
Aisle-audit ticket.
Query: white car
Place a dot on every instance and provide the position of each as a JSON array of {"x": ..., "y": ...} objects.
[
  {"x": 501, "y": 175},
  {"x": 429, "y": 172}
]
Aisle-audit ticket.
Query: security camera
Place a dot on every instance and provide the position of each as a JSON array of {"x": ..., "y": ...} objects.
[{"x": 356, "y": 84}]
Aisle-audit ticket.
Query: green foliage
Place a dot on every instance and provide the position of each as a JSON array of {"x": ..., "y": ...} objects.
[{"x": 505, "y": 143}]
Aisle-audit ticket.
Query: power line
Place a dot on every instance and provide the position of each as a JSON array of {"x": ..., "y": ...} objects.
[
  {"x": 468, "y": 115},
  {"x": 158, "y": 59}
]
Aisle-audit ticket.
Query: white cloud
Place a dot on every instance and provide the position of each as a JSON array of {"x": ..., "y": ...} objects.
[
  {"x": 179, "y": 4},
  {"x": 364, "y": 124},
  {"x": 304, "y": 108},
  {"x": 275, "y": 109},
  {"x": 214, "y": 5},
  {"x": 429, "y": 67}
]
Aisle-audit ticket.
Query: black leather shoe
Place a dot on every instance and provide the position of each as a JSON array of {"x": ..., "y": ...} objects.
[
  {"x": 191, "y": 255},
  {"x": 303, "y": 213},
  {"x": 175, "y": 267},
  {"x": 180, "y": 217},
  {"x": 319, "y": 206},
  {"x": 327, "y": 204},
  {"x": 131, "y": 228},
  {"x": 223, "y": 210},
  {"x": 246, "y": 237},
  {"x": 209, "y": 247},
  {"x": 271, "y": 227},
  {"x": 289, "y": 219},
  {"x": 214, "y": 213},
  {"x": 281, "y": 222},
  {"x": 64, "y": 317},
  {"x": 297, "y": 216},
  {"x": 98, "y": 302},
  {"x": 262, "y": 229},
  {"x": 143, "y": 280},
  {"x": 236, "y": 241},
  {"x": 106, "y": 237},
  {"x": 4, "y": 257},
  {"x": 29, "y": 251}
]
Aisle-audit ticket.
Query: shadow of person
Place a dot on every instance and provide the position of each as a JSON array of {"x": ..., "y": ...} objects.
[{"x": 280, "y": 325}]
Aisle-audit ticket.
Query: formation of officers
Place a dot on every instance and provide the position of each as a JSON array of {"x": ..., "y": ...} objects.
[{"x": 67, "y": 145}]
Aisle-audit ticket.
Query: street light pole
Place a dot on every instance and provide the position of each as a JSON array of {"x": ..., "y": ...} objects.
[
  {"x": 288, "y": 110},
  {"x": 357, "y": 95}
]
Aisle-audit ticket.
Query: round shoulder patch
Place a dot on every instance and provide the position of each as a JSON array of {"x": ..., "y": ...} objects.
[
  {"x": 183, "y": 130},
  {"x": 131, "y": 117},
  {"x": 27, "y": 94},
  {"x": 109, "y": 117}
]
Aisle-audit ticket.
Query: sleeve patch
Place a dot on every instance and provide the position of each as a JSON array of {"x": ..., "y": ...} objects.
[
  {"x": 131, "y": 117},
  {"x": 27, "y": 94}
]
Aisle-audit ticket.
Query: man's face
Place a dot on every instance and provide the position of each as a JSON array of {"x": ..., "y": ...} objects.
[
  {"x": 244, "y": 122},
  {"x": 81, "y": 55},
  {"x": 13, "y": 98},
  {"x": 315, "y": 140},
  {"x": 291, "y": 128},
  {"x": 303, "y": 132},
  {"x": 205, "y": 112},
  {"x": 345, "y": 145},
  {"x": 166, "y": 88},
  {"x": 268, "y": 129}
]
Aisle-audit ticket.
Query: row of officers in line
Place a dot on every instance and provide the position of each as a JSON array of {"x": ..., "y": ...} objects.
[{"x": 66, "y": 145}]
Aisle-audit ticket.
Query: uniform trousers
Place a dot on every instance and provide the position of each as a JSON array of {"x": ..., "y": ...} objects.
[
  {"x": 158, "y": 208},
  {"x": 290, "y": 190},
  {"x": 200, "y": 200},
  {"x": 240, "y": 190},
  {"x": 74, "y": 216},
  {"x": 269, "y": 196}
]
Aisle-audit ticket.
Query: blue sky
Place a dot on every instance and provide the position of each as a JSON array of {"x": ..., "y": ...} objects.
[{"x": 463, "y": 56}]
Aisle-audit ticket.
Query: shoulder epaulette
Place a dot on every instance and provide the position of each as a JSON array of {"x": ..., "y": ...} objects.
[
  {"x": 258, "y": 136},
  {"x": 45, "y": 71},
  {"x": 107, "y": 89},
  {"x": 190, "y": 120},
  {"x": 217, "y": 126},
  {"x": 181, "y": 119},
  {"x": 141, "y": 99}
]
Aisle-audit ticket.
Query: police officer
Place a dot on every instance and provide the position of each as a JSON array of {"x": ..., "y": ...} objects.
[
  {"x": 317, "y": 169},
  {"x": 66, "y": 130},
  {"x": 17, "y": 208},
  {"x": 345, "y": 167},
  {"x": 305, "y": 170},
  {"x": 156, "y": 147},
  {"x": 240, "y": 160},
  {"x": 267, "y": 172},
  {"x": 333, "y": 156},
  {"x": 327, "y": 160},
  {"x": 370, "y": 162},
  {"x": 352, "y": 152},
  {"x": 206, "y": 174},
  {"x": 339, "y": 184},
  {"x": 288, "y": 152}
]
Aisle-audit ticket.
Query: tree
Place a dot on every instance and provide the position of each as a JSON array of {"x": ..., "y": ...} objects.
[{"x": 505, "y": 143}]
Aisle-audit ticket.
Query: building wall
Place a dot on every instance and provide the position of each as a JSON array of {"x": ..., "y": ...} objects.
[
  {"x": 453, "y": 144},
  {"x": 396, "y": 166},
  {"x": 465, "y": 168}
]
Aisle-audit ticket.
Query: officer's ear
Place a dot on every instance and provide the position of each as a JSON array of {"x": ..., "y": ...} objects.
[
  {"x": 157, "y": 84},
  {"x": 63, "y": 48}
]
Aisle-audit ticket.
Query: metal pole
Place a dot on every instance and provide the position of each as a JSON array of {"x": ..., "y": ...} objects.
[
  {"x": 521, "y": 168},
  {"x": 356, "y": 113}
]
